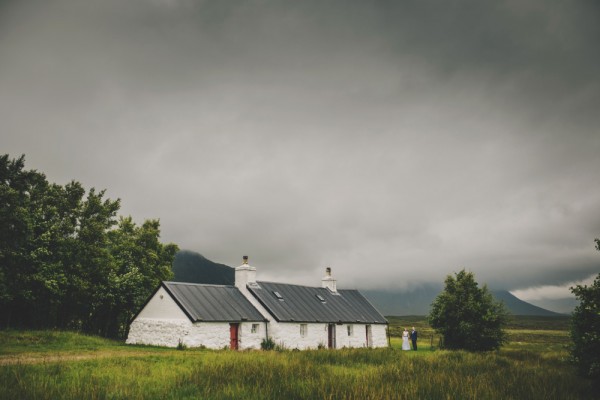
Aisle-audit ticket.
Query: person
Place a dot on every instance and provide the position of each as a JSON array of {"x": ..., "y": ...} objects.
[
  {"x": 413, "y": 338},
  {"x": 405, "y": 345}
]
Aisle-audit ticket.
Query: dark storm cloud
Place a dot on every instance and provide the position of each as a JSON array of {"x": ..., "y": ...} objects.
[{"x": 394, "y": 141}]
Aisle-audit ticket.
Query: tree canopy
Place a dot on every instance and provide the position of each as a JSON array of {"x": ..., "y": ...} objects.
[
  {"x": 67, "y": 260},
  {"x": 585, "y": 327},
  {"x": 467, "y": 316}
]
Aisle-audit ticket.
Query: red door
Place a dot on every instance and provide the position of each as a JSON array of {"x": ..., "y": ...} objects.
[{"x": 233, "y": 336}]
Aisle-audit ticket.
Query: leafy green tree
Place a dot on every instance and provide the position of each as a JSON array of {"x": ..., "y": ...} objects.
[
  {"x": 467, "y": 316},
  {"x": 585, "y": 328},
  {"x": 20, "y": 213},
  {"x": 141, "y": 262},
  {"x": 66, "y": 261}
]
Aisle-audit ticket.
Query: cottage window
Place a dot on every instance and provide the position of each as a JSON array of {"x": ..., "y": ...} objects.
[
  {"x": 350, "y": 330},
  {"x": 255, "y": 328},
  {"x": 303, "y": 330}
]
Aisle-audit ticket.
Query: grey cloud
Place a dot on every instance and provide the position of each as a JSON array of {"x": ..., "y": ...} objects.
[{"x": 394, "y": 141}]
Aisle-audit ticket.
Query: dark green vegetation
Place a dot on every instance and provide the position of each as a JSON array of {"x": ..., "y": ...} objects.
[
  {"x": 67, "y": 261},
  {"x": 189, "y": 266},
  {"x": 532, "y": 365},
  {"x": 585, "y": 330},
  {"x": 467, "y": 316}
]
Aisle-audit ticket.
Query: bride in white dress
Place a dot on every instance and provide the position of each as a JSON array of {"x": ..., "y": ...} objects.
[{"x": 405, "y": 344}]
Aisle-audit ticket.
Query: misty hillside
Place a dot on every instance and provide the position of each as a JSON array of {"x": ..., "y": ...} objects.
[
  {"x": 519, "y": 307},
  {"x": 393, "y": 302},
  {"x": 418, "y": 301},
  {"x": 190, "y": 266}
]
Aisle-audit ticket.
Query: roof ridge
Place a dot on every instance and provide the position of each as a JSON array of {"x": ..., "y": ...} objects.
[
  {"x": 294, "y": 284},
  {"x": 212, "y": 305},
  {"x": 198, "y": 284}
]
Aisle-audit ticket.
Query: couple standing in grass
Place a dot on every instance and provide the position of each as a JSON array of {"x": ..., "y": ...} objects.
[{"x": 413, "y": 337}]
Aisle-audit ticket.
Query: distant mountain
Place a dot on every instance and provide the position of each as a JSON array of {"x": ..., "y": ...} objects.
[
  {"x": 407, "y": 302},
  {"x": 564, "y": 306},
  {"x": 190, "y": 266},
  {"x": 418, "y": 302},
  {"x": 519, "y": 307}
]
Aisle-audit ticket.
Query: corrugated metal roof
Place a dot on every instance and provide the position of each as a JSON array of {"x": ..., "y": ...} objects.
[
  {"x": 302, "y": 304},
  {"x": 214, "y": 303}
]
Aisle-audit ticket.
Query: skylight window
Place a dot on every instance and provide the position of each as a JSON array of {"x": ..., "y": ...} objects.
[
  {"x": 279, "y": 296},
  {"x": 320, "y": 298}
]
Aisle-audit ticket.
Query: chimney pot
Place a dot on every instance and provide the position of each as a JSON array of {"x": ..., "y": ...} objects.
[
  {"x": 244, "y": 274},
  {"x": 328, "y": 281}
]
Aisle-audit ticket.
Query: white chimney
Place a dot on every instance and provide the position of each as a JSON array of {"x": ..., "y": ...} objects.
[
  {"x": 328, "y": 281},
  {"x": 244, "y": 274}
]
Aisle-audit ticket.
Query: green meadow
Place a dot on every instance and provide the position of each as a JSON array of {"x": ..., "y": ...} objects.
[{"x": 65, "y": 365}]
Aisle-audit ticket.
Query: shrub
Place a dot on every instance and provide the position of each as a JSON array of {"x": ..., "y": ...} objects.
[
  {"x": 468, "y": 317},
  {"x": 267, "y": 344},
  {"x": 585, "y": 329}
]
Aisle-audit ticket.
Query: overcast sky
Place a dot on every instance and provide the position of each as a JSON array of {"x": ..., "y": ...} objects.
[{"x": 395, "y": 141}]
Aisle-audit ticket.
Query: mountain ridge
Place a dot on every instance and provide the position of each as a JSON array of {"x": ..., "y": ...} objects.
[{"x": 190, "y": 266}]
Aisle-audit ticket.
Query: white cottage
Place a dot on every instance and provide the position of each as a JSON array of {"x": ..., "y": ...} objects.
[
  {"x": 241, "y": 316},
  {"x": 214, "y": 316}
]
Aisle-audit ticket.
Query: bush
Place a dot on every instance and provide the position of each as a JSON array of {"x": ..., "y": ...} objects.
[
  {"x": 267, "y": 344},
  {"x": 585, "y": 329},
  {"x": 468, "y": 317}
]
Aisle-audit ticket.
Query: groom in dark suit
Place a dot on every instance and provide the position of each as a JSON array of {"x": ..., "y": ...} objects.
[{"x": 413, "y": 338}]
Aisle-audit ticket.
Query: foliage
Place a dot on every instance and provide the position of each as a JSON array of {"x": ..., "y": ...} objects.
[
  {"x": 467, "y": 316},
  {"x": 66, "y": 261},
  {"x": 585, "y": 328},
  {"x": 113, "y": 371},
  {"x": 181, "y": 345},
  {"x": 267, "y": 344}
]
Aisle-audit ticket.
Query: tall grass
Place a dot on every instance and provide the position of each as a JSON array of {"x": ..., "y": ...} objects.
[
  {"x": 17, "y": 342},
  {"x": 319, "y": 374},
  {"x": 534, "y": 365}
]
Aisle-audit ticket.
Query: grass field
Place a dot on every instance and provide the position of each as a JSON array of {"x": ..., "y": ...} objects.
[{"x": 64, "y": 365}]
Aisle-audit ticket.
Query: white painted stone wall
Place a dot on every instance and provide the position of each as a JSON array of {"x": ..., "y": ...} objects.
[
  {"x": 158, "y": 332},
  {"x": 358, "y": 338},
  {"x": 287, "y": 334},
  {"x": 249, "y": 340},
  {"x": 162, "y": 306},
  {"x": 213, "y": 335},
  {"x": 379, "y": 335}
]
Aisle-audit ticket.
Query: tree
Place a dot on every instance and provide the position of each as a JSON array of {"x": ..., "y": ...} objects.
[
  {"x": 585, "y": 328},
  {"x": 468, "y": 317},
  {"x": 66, "y": 261},
  {"x": 141, "y": 262},
  {"x": 21, "y": 213}
]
